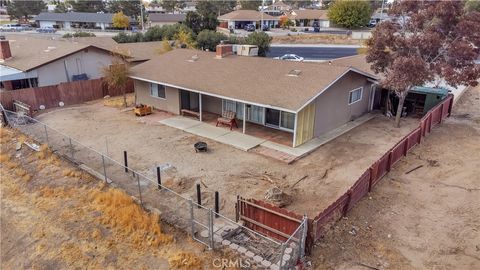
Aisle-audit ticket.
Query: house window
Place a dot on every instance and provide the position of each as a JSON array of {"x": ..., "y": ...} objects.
[
  {"x": 157, "y": 90},
  {"x": 287, "y": 120},
  {"x": 355, "y": 95}
]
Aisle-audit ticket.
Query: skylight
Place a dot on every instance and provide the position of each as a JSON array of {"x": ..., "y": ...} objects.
[{"x": 294, "y": 72}]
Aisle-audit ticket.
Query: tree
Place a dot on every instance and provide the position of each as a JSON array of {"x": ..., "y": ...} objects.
[
  {"x": 350, "y": 13},
  {"x": 20, "y": 9},
  {"x": 262, "y": 40},
  {"x": 250, "y": 4},
  {"x": 208, "y": 39},
  {"x": 116, "y": 75},
  {"x": 92, "y": 6},
  {"x": 472, "y": 5},
  {"x": 285, "y": 22},
  {"x": 172, "y": 5},
  {"x": 438, "y": 40},
  {"x": 184, "y": 38},
  {"x": 120, "y": 20},
  {"x": 130, "y": 8},
  {"x": 209, "y": 13},
  {"x": 194, "y": 21},
  {"x": 60, "y": 7},
  {"x": 224, "y": 6},
  {"x": 299, "y": 3}
]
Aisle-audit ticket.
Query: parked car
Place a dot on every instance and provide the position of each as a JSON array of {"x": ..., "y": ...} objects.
[
  {"x": 290, "y": 57},
  {"x": 372, "y": 23},
  {"x": 26, "y": 26},
  {"x": 46, "y": 29},
  {"x": 11, "y": 28},
  {"x": 265, "y": 28},
  {"x": 249, "y": 27}
]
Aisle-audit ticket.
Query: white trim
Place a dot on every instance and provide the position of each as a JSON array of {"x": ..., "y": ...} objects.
[
  {"x": 213, "y": 95},
  {"x": 295, "y": 131},
  {"x": 244, "y": 117},
  {"x": 200, "y": 106},
  {"x": 332, "y": 83},
  {"x": 361, "y": 95}
]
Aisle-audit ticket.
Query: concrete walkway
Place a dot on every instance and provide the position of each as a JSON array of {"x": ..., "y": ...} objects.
[{"x": 247, "y": 142}]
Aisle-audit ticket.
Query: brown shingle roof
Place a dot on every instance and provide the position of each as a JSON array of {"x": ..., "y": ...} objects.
[
  {"x": 160, "y": 17},
  {"x": 357, "y": 61},
  {"x": 245, "y": 15},
  {"x": 308, "y": 14},
  {"x": 29, "y": 53},
  {"x": 256, "y": 80}
]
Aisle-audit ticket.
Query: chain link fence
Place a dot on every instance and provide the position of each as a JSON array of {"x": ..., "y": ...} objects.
[{"x": 204, "y": 225}]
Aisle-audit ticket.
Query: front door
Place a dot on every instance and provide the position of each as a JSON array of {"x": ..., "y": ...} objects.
[
  {"x": 272, "y": 117},
  {"x": 185, "y": 99}
]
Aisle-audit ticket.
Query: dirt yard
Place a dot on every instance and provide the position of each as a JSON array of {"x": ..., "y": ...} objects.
[
  {"x": 54, "y": 216},
  {"x": 317, "y": 39},
  {"x": 425, "y": 219},
  {"x": 326, "y": 173}
]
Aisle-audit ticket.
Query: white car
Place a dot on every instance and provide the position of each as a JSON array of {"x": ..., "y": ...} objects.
[
  {"x": 290, "y": 57},
  {"x": 11, "y": 28}
]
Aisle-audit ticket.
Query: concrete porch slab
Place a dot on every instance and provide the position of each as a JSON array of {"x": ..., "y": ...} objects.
[
  {"x": 313, "y": 144},
  {"x": 180, "y": 122},
  {"x": 207, "y": 131},
  {"x": 240, "y": 140}
]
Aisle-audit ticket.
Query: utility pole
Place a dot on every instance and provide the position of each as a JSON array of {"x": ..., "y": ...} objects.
[
  {"x": 141, "y": 15},
  {"x": 261, "y": 11}
]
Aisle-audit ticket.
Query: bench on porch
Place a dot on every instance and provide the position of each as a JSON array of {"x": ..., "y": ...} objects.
[
  {"x": 228, "y": 118},
  {"x": 189, "y": 112}
]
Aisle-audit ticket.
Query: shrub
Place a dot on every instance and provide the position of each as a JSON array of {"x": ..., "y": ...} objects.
[
  {"x": 78, "y": 34},
  {"x": 208, "y": 39}
]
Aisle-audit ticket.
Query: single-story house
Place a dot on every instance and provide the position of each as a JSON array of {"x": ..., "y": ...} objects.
[
  {"x": 303, "y": 99},
  {"x": 277, "y": 8},
  {"x": 239, "y": 18},
  {"x": 309, "y": 17},
  {"x": 165, "y": 19},
  {"x": 27, "y": 61},
  {"x": 418, "y": 101},
  {"x": 72, "y": 20}
]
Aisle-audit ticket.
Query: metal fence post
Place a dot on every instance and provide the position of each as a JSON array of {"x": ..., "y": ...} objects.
[
  {"x": 46, "y": 134},
  {"x": 139, "y": 189},
  {"x": 192, "y": 218},
  {"x": 282, "y": 252},
  {"x": 304, "y": 236},
  {"x": 104, "y": 169},
  {"x": 210, "y": 227},
  {"x": 71, "y": 146},
  {"x": 159, "y": 179}
]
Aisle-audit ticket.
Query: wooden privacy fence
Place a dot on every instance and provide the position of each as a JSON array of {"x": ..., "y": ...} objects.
[
  {"x": 267, "y": 219},
  {"x": 378, "y": 169},
  {"x": 278, "y": 222},
  {"x": 69, "y": 93}
]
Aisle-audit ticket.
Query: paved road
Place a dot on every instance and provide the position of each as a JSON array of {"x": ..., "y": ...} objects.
[{"x": 313, "y": 53}]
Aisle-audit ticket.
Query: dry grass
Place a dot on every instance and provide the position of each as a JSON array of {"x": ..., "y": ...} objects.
[
  {"x": 123, "y": 214},
  {"x": 4, "y": 158},
  {"x": 184, "y": 260},
  {"x": 72, "y": 173},
  {"x": 44, "y": 152},
  {"x": 117, "y": 102}
]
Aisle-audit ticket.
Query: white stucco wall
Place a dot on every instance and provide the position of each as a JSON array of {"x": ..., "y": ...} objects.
[
  {"x": 89, "y": 61},
  {"x": 47, "y": 23}
]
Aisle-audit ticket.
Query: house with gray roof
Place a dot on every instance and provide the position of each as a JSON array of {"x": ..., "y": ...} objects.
[{"x": 70, "y": 20}]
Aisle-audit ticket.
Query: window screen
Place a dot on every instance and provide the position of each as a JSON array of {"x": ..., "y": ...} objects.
[
  {"x": 157, "y": 90},
  {"x": 355, "y": 95}
]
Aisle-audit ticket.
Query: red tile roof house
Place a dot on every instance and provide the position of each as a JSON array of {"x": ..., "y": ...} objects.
[{"x": 304, "y": 100}]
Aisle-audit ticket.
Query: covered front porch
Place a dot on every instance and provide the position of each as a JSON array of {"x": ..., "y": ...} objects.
[{"x": 267, "y": 124}]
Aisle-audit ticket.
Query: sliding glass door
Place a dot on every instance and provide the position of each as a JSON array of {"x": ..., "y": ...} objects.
[{"x": 272, "y": 117}]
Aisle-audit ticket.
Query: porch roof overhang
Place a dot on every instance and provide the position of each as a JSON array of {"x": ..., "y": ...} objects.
[
  {"x": 11, "y": 74},
  {"x": 214, "y": 95}
]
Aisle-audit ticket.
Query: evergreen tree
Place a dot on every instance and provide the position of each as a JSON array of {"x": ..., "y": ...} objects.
[{"x": 21, "y": 9}]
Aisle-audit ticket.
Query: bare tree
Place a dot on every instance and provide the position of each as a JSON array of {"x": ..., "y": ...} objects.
[
  {"x": 427, "y": 40},
  {"x": 116, "y": 75}
]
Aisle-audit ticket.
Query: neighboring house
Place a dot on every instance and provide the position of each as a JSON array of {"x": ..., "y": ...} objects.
[
  {"x": 239, "y": 18},
  {"x": 309, "y": 17},
  {"x": 161, "y": 19},
  {"x": 72, "y": 20},
  {"x": 34, "y": 62},
  {"x": 278, "y": 8},
  {"x": 303, "y": 99}
]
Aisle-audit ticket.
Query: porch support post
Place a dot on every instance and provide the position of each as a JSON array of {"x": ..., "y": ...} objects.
[
  {"x": 200, "y": 105},
  {"x": 295, "y": 130},
  {"x": 244, "y": 116}
]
